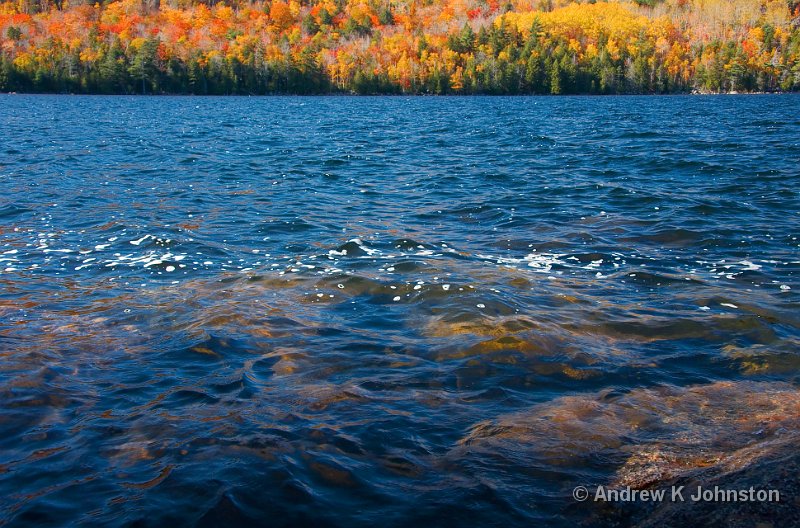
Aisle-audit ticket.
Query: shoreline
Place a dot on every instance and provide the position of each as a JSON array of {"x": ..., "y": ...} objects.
[{"x": 413, "y": 95}]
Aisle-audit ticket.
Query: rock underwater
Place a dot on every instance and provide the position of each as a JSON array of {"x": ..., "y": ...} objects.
[{"x": 733, "y": 435}]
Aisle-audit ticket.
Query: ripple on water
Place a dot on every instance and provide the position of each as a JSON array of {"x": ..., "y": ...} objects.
[{"x": 420, "y": 322}]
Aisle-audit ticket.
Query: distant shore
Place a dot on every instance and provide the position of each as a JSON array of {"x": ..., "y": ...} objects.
[
  {"x": 403, "y": 47},
  {"x": 394, "y": 94}
]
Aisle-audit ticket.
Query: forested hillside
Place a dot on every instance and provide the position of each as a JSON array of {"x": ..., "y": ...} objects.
[{"x": 399, "y": 46}]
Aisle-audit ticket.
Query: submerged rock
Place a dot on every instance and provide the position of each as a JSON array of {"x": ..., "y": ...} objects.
[
  {"x": 757, "y": 485},
  {"x": 732, "y": 435}
]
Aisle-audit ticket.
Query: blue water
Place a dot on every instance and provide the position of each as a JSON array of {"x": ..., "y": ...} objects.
[{"x": 311, "y": 311}]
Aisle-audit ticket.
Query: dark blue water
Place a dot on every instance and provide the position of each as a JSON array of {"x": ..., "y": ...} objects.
[{"x": 405, "y": 311}]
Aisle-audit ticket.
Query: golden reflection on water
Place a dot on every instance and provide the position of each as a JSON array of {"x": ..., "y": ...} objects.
[
  {"x": 264, "y": 369},
  {"x": 655, "y": 434}
]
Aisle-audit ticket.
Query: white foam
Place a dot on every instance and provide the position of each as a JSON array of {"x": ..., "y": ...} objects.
[
  {"x": 139, "y": 241},
  {"x": 749, "y": 266}
]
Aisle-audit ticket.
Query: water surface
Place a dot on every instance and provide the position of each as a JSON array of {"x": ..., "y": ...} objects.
[{"x": 407, "y": 311}]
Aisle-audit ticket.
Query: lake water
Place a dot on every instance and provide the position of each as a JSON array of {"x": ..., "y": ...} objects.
[{"x": 406, "y": 311}]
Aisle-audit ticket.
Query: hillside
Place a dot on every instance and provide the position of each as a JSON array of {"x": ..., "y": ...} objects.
[{"x": 399, "y": 46}]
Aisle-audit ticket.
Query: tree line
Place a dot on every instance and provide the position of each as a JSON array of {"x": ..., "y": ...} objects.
[{"x": 340, "y": 46}]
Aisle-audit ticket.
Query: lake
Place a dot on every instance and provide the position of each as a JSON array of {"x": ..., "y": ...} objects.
[{"x": 344, "y": 311}]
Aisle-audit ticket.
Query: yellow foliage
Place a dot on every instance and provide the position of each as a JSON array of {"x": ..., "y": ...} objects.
[
  {"x": 294, "y": 8},
  {"x": 137, "y": 43},
  {"x": 223, "y": 12},
  {"x": 582, "y": 21},
  {"x": 8, "y": 8},
  {"x": 612, "y": 49},
  {"x": 89, "y": 55},
  {"x": 24, "y": 61},
  {"x": 756, "y": 34}
]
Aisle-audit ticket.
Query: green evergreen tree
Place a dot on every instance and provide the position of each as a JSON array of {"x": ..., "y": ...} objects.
[
  {"x": 555, "y": 78},
  {"x": 143, "y": 66}
]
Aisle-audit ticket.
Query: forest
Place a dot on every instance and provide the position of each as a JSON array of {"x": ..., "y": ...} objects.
[{"x": 399, "y": 46}]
